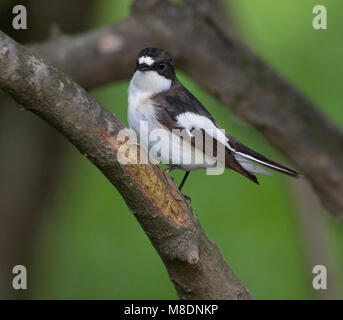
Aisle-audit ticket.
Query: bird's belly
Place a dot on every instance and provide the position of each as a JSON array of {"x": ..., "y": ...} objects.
[{"x": 170, "y": 150}]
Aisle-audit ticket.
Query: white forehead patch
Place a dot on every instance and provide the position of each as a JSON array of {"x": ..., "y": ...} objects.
[{"x": 147, "y": 60}]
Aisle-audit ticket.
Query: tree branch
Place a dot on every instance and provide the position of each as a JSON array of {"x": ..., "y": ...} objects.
[
  {"x": 226, "y": 68},
  {"x": 194, "y": 263}
]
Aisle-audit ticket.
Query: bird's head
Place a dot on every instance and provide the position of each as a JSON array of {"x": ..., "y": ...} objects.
[{"x": 154, "y": 70}]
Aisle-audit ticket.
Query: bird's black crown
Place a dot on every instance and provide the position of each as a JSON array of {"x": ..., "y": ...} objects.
[{"x": 155, "y": 53}]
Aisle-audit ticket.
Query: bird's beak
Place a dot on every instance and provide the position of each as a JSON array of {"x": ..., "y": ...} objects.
[{"x": 143, "y": 67}]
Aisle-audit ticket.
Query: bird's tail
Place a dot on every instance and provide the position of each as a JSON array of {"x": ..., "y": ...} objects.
[{"x": 250, "y": 160}]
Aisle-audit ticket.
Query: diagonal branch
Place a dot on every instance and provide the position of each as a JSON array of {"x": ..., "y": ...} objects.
[
  {"x": 194, "y": 263},
  {"x": 226, "y": 68}
]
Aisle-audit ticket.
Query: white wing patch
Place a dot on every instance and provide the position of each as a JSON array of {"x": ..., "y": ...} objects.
[
  {"x": 147, "y": 60},
  {"x": 191, "y": 120}
]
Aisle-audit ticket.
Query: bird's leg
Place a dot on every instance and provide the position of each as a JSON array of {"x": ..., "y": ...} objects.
[
  {"x": 183, "y": 180},
  {"x": 177, "y": 166},
  {"x": 182, "y": 183}
]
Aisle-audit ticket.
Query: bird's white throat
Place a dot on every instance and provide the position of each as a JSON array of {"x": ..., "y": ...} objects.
[{"x": 149, "y": 82}]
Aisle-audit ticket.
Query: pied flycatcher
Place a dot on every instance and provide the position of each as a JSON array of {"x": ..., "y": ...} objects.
[{"x": 156, "y": 96}]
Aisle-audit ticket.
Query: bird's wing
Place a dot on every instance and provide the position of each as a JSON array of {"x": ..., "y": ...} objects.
[
  {"x": 177, "y": 108},
  {"x": 178, "y": 100}
]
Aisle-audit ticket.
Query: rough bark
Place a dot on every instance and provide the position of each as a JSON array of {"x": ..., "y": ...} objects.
[
  {"x": 222, "y": 65},
  {"x": 194, "y": 263}
]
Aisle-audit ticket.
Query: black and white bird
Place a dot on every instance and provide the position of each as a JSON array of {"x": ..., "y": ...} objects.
[{"x": 156, "y": 95}]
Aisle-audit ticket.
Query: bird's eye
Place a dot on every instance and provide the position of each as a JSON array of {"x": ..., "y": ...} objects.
[{"x": 161, "y": 66}]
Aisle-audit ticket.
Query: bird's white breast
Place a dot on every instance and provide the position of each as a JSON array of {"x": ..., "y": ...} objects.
[
  {"x": 142, "y": 87},
  {"x": 150, "y": 82}
]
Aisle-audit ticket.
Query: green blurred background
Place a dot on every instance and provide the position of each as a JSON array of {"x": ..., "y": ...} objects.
[{"x": 89, "y": 246}]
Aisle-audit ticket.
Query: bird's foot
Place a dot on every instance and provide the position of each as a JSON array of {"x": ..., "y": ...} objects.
[
  {"x": 187, "y": 198},
  {"x": 171, "y": 168},
  {"x": 171, "y": 178}
]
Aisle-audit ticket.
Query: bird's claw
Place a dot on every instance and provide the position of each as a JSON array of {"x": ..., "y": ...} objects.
[{"x": 187, "y": 198}]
